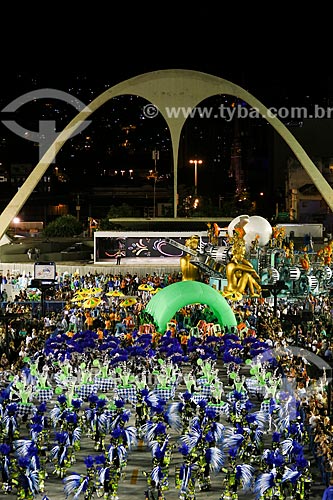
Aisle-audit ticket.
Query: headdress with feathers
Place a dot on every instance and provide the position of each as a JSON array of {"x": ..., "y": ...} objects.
[
  {"x": 245, "y": 476},
  {"x": 75, "y": 484},
  {"x": 264, "y": 482},
  {"x": 215, "y": 459}
]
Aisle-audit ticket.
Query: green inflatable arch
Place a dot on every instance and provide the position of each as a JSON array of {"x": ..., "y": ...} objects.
[{"x": 168, "y": 301}]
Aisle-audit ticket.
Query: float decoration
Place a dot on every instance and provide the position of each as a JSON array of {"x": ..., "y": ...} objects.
[
  {"x": 126, "y": 378},
  {"x": 103, "y": 378},
  {"x": 241, "y": 276},
  {"x": 208, "y": 374}
]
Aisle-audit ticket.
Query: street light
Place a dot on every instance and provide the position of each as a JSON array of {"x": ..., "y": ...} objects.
[
  {"x": 16, "y": 221},
  {"x": 196, "y": 163}
]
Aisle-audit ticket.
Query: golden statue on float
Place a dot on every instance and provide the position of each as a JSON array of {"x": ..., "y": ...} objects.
[
  {"x": 189, "y": 271},
  {"x": 240, "y": 273}
]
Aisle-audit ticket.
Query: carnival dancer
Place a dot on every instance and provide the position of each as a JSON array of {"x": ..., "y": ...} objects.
[
  {"x": 116, "y": 460},
  {"x": 25, "y": 476},
  {"x": 158, "y": 477},
  {"x": 59, "y": 454},
  {"x": 145, "y": 401},
  {"x": 185, "y": 408},
  {"x": 237, "y": 476},
  {"x": 154, "y": 491},
  {"x": 5, "y": 468},
  {"x": 98, "y": 422},
  {"x": 63, "y": 405},
  {"x": 27, "y": 483},
  {"x": 65, "y": 415},
  {"x": 255, "y": 423},
  {"x": 74, "y": 433},
  {"x": 160, "y": 421},
  {"x": 78, "y": 484},
  {"x": 186, "y": 475},
  {"x": 191, "y": 469},
  {"x": 268, "y": 485},
  {"x": 39, "y": 440},
  {"x": 201, "y": 448},
  {"x": 157, "y": 438},
  {"x": 212, "y": 437},
  {"x": 298, "y": 480},
  {"x": 9, "y": 425},
  {"x": 120, "y": 434}
]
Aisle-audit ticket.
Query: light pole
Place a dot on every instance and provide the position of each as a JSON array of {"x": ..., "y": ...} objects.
[
  {"x": 78, "y": 207},
  {"x": 196, "y": 163},
  {"x": 155, "y": 157}
]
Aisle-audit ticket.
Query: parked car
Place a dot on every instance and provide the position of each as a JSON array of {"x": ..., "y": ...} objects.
[{"x": 77, "y": 247}]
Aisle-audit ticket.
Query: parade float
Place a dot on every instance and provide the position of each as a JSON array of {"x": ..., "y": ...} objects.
[{"x": 256, "y": 258}]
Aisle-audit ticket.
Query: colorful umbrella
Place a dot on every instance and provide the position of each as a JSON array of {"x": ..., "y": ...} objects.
[
  {"x": 78, "y": 299},
  {"x": 95, "y": 290},
  {"x": 130, "y": 301},
  {"x": 145, "y": 287},
  {"x": 91, "y": 302},
  {"x": 156, "y": 290},
  {"x": 81, "y": 294},
  {"x": 115, "y": 293}
]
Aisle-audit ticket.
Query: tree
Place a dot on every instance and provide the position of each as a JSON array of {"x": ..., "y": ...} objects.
[
  {"x": 123, "y": 210},
  {"x": 65, "y": 226}
]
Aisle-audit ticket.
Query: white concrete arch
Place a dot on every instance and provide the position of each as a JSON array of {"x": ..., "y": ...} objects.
[{"x": 174, "y": 88}]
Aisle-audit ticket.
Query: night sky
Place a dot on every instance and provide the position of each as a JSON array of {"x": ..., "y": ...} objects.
[
  {"x": 56, "y": 51},
  {"x": 268, "y": 82},
  {"x": 48, "y": 56}
]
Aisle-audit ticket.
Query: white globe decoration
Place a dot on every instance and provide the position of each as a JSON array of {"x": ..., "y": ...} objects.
[
  {"x": 256, "y": 225},
  {"x": 235, "y": 221}
]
